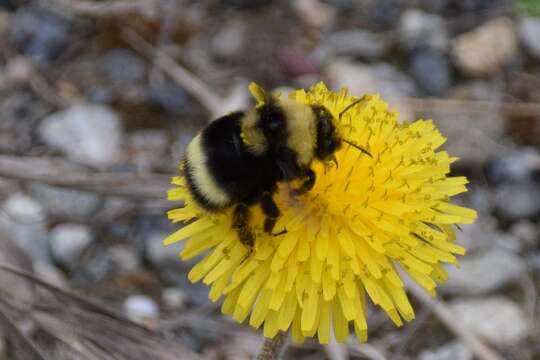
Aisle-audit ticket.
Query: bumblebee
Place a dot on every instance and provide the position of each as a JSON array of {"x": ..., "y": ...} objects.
[{"x": 238, "y": 159}]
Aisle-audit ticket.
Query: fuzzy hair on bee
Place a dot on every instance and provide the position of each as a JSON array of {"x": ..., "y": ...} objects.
[{"x": 238, "y": 159}]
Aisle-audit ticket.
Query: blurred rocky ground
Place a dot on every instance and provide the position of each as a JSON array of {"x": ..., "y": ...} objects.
[{"x": 96, "y": 108}]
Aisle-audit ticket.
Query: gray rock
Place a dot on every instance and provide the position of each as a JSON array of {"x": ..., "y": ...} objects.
[
  {"x": 123, "y": 67},
  {"x": 140, "y": 308},
  {"x": 481, "y": 199},
  {"x": 174, "y": 298},
  {"x": 385, "y": 14},
  {"x": 431, "y": 70},
  {"x": 356, "y": 43},
  {"x": 96, "y": 265},
  {"x": 497, "y": 319},
  {"x": 229, "y": 40},
  {"x": 484, "y": 273},
  {"x": 124, "y": 258},
  {"x": 478, "y": 236},
  {"x": 165, "y": 258},
  {"x": 89, "y": 134},
  {"x": 24, "y": 219},
  {"x": 417, "y": 28},
  {"x": 533, "y": 261},
  {"x": 169, "y": 97},
  {"x": 451, "y": 351},
  {"x": 517, "y": 165},
  {"x": 517, "y": 201},
  {"x": 39, "y": 33},
  {"x": 529, "y": 31},
  {"x": 526, "y": 232},
  {"x": 66, "y": 203},
  {"x": 378, "y": 78},
  {"x": 68, "y": 242}
]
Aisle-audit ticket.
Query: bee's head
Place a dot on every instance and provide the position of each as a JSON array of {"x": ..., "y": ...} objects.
[{"x": 328, "y": 139}]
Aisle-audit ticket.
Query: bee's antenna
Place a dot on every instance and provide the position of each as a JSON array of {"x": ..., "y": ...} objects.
[
  {"x": 358, "y": 147},
  {"x": 348, "y": 107}
]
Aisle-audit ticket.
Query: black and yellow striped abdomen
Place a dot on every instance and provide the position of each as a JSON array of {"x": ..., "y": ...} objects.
[{"x": 219, "y": 169}]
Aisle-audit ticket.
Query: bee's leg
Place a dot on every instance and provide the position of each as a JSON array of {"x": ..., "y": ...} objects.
[
  {"x": 241, "y": 218},
  {"x": 307, "y": 185},
  {"x": 272, "y": 213}
]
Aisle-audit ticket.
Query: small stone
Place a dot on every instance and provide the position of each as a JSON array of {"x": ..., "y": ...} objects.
[
  {"x": 361, "y": 44},
  {"x": 169, "y": 97},
  {"x": 533, "y": 261},
  {"x": 517, "y": 165},
  {"x": 124, "y": 258},
  {"x": 66, "y": 203},
  {"x": 497, "y": 319},
  {"x": 100, "y": 95},
  {"x": 96, "y": 266},
  {"x": 141, "y": 309},
  {"x": 431, "y": 70},
  {"x": 385, "y": 14},
  {"x": 123, "y": 67},
  {"x": 378, "y": 78},
  {"x": 451, "y": 351},
  {"x": 529, "y": 30},
  {"x": 174, "y": 298},
  {"x": 527, "y": 232},
  {"x": 39, "y": 33},
  {"x": 516, "y": 201},
  {"x": 315, "y": 13},
  {"x": 497, "y": 38},
  {"x": 18, "y": 70},
  {"x": 164, "y": 258},
  {"x": 419, "y": 29},
  {"x": 24, "y": 219},
  {"x": 481, "y": 199},
  {"x": 68, "y": 242},
  {"x": 478, "y": 236},
  {"x": 229, "y": 40},
  {"x": 89, "y": 134},
  {"x": 484, "y": 273}
]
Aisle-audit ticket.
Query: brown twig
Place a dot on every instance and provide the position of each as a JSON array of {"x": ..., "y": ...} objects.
[
  {"x": 440, "y": 309},
  {"x": 43, "y": 170},
  {"x": 199, "y": 90},
  {"x": 272, "y": 348}
]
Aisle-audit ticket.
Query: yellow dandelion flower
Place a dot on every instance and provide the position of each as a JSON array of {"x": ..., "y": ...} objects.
[{"x": 346, "y": 237}]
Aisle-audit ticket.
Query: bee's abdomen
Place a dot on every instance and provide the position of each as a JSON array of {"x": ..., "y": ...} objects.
[{"x": 202, "y": 186}]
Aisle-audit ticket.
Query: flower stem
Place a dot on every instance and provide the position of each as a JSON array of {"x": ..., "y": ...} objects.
[{"x": 272, "y": 347}]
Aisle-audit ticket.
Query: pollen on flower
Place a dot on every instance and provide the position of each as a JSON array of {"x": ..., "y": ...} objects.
[{"x": 346, "y": 237}]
